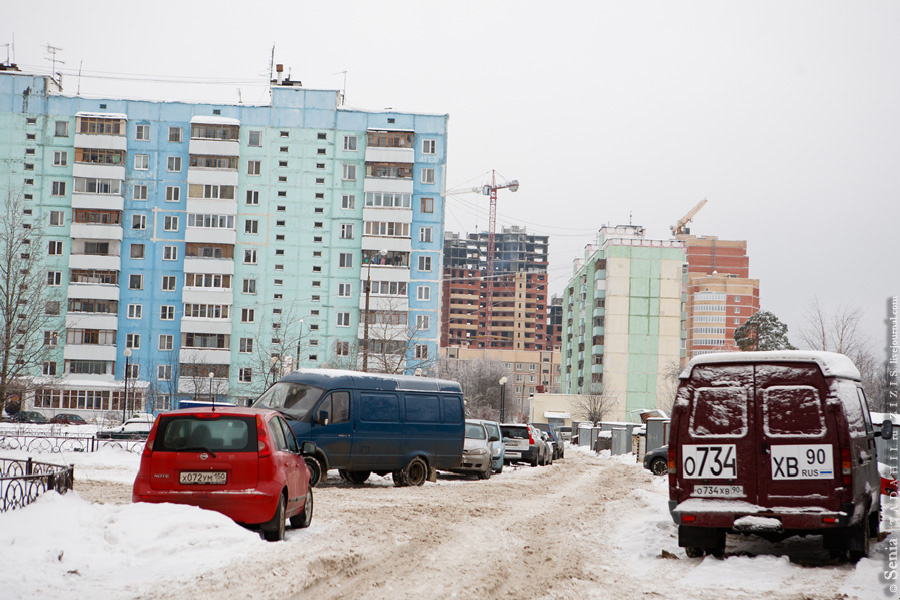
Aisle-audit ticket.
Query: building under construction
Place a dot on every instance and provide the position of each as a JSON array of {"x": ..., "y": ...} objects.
[{"x": 516, "y": 315}]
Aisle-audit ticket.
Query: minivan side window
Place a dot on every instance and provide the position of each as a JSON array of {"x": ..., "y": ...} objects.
[
  {"x": 338, "y": 407},
  {"x": 379, "y": 407},
  {"x": 792, "y": 410},
  {"x": 719, "y": 412},
  {"x": 864, "y": 406},
  {"x": 452, "y": 409},
  {"x": 422, "y": 409}
]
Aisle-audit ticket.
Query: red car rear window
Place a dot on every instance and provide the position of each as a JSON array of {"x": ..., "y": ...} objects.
[{"x": 221, "y": 434}]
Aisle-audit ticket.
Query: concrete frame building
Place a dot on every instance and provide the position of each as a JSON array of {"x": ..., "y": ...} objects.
[
  {"x": 623, "y": 318},
  {"x": 225, "y": 244}
]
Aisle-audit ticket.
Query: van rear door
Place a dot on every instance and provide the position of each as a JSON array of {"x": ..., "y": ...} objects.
[
  {"x": 717, "y": 455},
  {"x": 798, "y": 437}
]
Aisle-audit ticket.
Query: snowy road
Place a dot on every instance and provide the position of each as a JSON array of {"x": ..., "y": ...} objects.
[{"x": 586, "y": 527}]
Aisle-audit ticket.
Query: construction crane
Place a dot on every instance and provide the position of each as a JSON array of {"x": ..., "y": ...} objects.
[
  {"x": 491, "y": 190},
  {"x": 681, "y": 226}
]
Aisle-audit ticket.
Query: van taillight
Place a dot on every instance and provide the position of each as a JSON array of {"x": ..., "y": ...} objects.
[
  {"x": 846, "y": 466},
  {"x": 263, "y": 447},
  {"x": 671, "y": 461}
]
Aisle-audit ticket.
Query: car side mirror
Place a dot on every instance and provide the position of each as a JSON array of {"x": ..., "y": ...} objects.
[
  {"x": 506, "y": 439},
  {"x": 322, "y": 417},
  {"x": 493, "y": 438},
  {"x": 887, "y": 429},
  {"x": 308, "y": 448}
]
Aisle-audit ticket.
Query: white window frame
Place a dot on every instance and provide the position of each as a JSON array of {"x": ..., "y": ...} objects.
[
  {"x": 428, "y": 175},
  {"x": 346, "y": 231},
  {"x": 142, "y": 133},
  {"x": 343, "y": 319},
  {"x": 248, "y": 315},
  {"x": 170, "y": 223},
  {"x": 251, "y": 227},
  {"x": 425, "y": 235},
  {"x": 170, "y": 253},
  {"x": 423, "y": 293},
  {"x": 173, "y": 193},
  {"x": 139, "y": 192},
  {"x": 60, "y": 158},
  {"x": 429, "y": 146},
  {"x": 141, "y": 162},
  {"x": 348, "y": 201},
  {"x": 173, "y": 161},
  {"x": 252, "y": 198},
  {"x": 178, "y": 138},
  {"x": 164, "y": 372},
  {"x": 139, "y": 222},
  {"x": 254, "y": 167},
  {"x": 423, "y": 262},
  {"x": 344, "y": 290},
  {"x": 345, "y": 260},
  {"x": 57, "y": 218},
  {"x": 258, "y": 135},
  {"x": 133, "y": 341},
  {"x": 250, "y": 256},
  {"x": 167, "y": 312},
  {"x": 348, "y": 172},
  {"x": 423, "y": 322},
  {"x": 135, "y": 311},
  {"x": 166, "y": 342},
  {"x": 350, "y": 143}
]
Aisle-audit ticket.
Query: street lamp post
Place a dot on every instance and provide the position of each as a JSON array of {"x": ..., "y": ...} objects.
[
  {"x": 211, "y": 375},
  {"x": 502, "y": 382},
  {"x": 365, "y": 367},
  {"x": 127, "y": 354},
  {"x": 299, "y": 339}
]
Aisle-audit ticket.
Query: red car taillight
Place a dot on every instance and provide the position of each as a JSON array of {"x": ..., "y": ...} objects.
[
  {"x": 263, "y": 445},
  {"x": 530, "y": 437},
  {"x": 148, "y": 447}
]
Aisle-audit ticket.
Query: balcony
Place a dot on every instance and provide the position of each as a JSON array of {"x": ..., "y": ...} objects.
[
  {"x": 211, "y": 207},
  {"x": 192, "y": 325},
  {"x": 89, "y": 352},
  {"x": 209, "y": 356},
  {"x": 214, "y": 147},
  {"x": 396, "y": 244},
  {"x": 93, "y": 291},
  {"x": 76, "y": 320},
  {"x": 99, "y": 262},
  {"x": 377, "y": 184},
  {"x": 384, "y": 303},
  {"x": 209, "y": 265},
  {"x": 204, "y": 295},
  {"x": 96, "y": 141},
  {"x": 97, "y": 171},
  {"x": 91, "y": 231},
  {"x": 388, "y": 215},
  {"x": 203, "y": 176},
  {"x": 390, "y": 155},
  {"x": 210, "y": 235},
  {"x": 98, "y": 201},
  {"x": 199, "y": 386}
]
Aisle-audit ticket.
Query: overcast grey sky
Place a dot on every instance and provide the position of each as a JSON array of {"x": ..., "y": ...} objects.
[{"x": 784, "y": 114}]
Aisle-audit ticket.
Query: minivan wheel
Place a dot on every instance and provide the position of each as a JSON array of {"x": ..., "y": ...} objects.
[
  {"x": 356, "y": 477},
  {"x": 304, "y": 519},
  {"x": 274, "y": 529},
  {"x": 315, "y": 470},
  {"x": 659, "y": 466},
  {"x": 694, "y": 552},
  {"x": 860, "y": 530},
  {"x": 414, "y": 473}
]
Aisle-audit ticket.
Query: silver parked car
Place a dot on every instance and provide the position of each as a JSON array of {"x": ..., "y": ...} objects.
[
  {"x": 476, "y": 456},
  {"x": 498, "y": 448}
]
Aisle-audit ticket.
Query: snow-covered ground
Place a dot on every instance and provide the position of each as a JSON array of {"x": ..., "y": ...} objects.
[{"x": 586, "y": 527}]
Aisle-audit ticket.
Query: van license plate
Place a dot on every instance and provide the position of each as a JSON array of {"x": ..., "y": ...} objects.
[
  {"x": 203, "y": 477},
  {"x": 709, "y": 461},
  {"x": 718, "y": 491}
]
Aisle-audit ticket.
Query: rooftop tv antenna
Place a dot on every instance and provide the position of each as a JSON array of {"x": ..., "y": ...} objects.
[{"x": 52, "y": 50}]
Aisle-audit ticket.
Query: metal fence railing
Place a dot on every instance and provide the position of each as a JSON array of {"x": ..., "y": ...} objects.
[{"x": 23, "y": 481}]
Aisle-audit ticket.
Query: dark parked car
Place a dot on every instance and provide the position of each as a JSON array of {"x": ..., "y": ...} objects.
[
  {"x": 68, "y": 419},
  {"x": 244, "y": 463},
  {"x": 131, "y": 430},
  {"x": 559, "y": 450},
  {"x": 657, "y": 461},
  {"x": 28, "y": 416}
]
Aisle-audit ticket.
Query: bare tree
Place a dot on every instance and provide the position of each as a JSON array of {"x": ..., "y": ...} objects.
[
  {"x": 28, "y": 307},
  {"x": 836, "y": 332},
  {"x": 479, "y": 379},
  {"x": 277, "y": 348},
  {"x": 667, "y": 387},
  {"x": 594, "y": 407},
  {"x": 394, "y": 344}
]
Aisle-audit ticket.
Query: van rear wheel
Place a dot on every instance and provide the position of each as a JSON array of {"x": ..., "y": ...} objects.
[
  {"x": 413, "y": 474},
  {"x": 860, "y": 534},
  {"x": 355, "y": 477},
  {"x": 315, "y": 470}
]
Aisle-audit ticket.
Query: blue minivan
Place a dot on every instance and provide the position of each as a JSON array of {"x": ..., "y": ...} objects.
[{"x": 365, "y": 422}]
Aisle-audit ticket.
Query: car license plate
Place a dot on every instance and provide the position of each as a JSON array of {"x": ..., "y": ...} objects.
[
  {"x": 718, "y": 491},
  {"x": 203, "y": 477},
  {"x": 513, "y": 454}
]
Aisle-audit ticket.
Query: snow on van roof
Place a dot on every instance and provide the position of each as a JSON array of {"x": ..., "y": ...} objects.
[{"x": 831, "y": 363}]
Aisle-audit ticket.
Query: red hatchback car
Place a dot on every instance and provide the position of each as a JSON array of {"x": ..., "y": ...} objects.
[{"x": 242, "y": 462}]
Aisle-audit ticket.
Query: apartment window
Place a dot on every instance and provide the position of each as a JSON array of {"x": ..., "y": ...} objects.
[
  {"x": 54, "y": 278},
  {"x": 350, "y": 143},
  {"x": 280, "y": 223},
  {"x": 425, "y": 263},
  {"x": 343, "y": 290},
  {"x": 248, "y": 315},
  {"x": 141, "y": 162},
  {"x": 174, "y": 134},
  {"x": 348, "y": 201},
  {"x": 345, "y": 260},
  {"x": 166, "y": 342},
  {"x": 737, "y": 310},
  {"x": 173, "y": 165},
  {"x": 255, "y": 139},
  {"x": 139, "y": 221},
  {"x": 245, "y": 375},
  {"x": 137, "y": 251},
  {"x": 167, "y": 312},
  {"x": 61, "y": 129},
  {"x": 427, "y": 205},
  {"x": 317, "y": 239},
  {"x": 249, "y": 257},
  {"x": 55, "y": 248},
  {"x": 49, "y": 368},
  {"x": 170, "y": 252},
  {"x": 134, "y": 370},
  {"x": 342, "y": 348},
  {"x": 321, "y": 136},
  {"x": 279, "y": 282},
  {"x": 737, "y": 321},
  {"x": 133, "y": 341},
  {"x": 343, "y": 319},
  {"x": 51, "y": 307},
  {"x": 139, "y": 192},
  {"x": 316, "y": 283},
  {"x": 425, "y": 234},
  {"x": 57, "y": 217},
  {"x": 282, "y": 163},
  {"x": 142, "y": 132},
  {"x": 320, "y": 181},
  {"x": 173, "y": 193},
  {"x": 428, "y": 175},
  {"x": 60, "y": 158},
  {"x": 246, "y": 345},
  {"x": 737, "y": 298},
  {"x": 170, "y": 223},
  {"x": 423, "y": 292},
  {"x": 58, "y": 188},
  {"x": 249, "y": 286},
  {"x": 422, "y": 322},
  {"x": 51, "y": 338},
  {"x": 254, "y": 167},
  {"x": 135, "y": 282},
  {"x": 168, "y": 283},
  {"x": 284, "y": 133},
  {"x": 282, "y": 179},
  {"x": 164, "y": 372},
  {"x": 253, "y": 197},
  {"x": 428, "y": 146},
  {"x": 251, "y": 226},
  {"x": 349, "y": 173},
  {"x": 346, "y": 231},
  {"x": 421, "y": 351},
  {"x": 320, "y": 165}
]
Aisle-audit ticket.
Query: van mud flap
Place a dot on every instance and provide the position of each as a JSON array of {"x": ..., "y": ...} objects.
[{"x": 432, "y": 475}]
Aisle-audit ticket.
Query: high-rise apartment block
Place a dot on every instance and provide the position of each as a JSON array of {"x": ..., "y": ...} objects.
[
  {"x": 224, "y": 244},
  {"x": 622, "y": 319},
  {"x": 720, "y": 294},
  {"x": 518, "y": 310}
]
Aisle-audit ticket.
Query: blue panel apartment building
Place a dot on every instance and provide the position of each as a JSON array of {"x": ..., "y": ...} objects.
[{"x": 223, "y": 245}]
